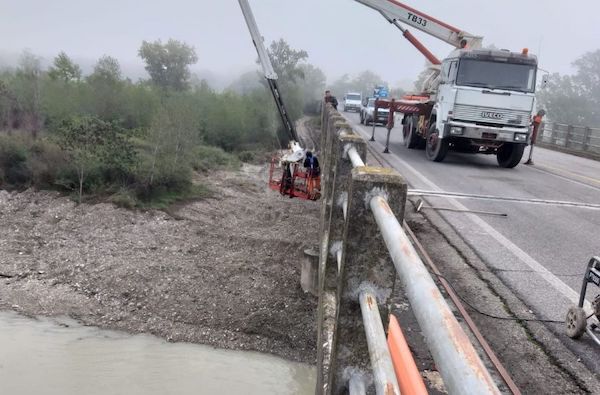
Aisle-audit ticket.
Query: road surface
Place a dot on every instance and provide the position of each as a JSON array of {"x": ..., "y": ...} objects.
[{"x": 539, "y": 251}]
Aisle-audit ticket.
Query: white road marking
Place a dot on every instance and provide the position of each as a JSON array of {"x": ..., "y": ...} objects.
[{"x": 534, "y": 265}]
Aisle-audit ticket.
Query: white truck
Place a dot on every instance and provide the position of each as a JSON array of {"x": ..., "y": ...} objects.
[
  {"x": 367, "y": 113},
  {"x": 352, "y": 102},
  {"x": 476, "y": 100}
]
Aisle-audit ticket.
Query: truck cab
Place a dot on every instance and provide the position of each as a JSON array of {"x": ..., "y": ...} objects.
[
  {"x": 352, "y": 102},
  {"x": 484, "y": 103}
]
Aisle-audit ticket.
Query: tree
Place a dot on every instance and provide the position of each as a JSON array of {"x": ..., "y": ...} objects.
[
  {"x": 107, "y": 70},
  {"x": 93, "y": 143},
  {"x": 64, "y": 69},
  {"x": 27, "y": 92},
  {"x": 107, "y": 99},
  {"x": 168, "y": 64},
  {"x": 575, "y": 99},
  {"x": 312, "y": 88},
  {"x": 286, "y": 61}
]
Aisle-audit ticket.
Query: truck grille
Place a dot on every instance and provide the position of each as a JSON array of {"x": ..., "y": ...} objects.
[{"x": 488, "y": 115}]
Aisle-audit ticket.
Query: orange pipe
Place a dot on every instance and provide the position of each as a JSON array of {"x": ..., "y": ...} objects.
[{"x": 409, "y": 378}]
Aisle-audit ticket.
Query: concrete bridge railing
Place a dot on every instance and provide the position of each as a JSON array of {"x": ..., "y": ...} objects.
[
  {"x": 363, "y": 247},
  {"x": 574, "y": 138}
]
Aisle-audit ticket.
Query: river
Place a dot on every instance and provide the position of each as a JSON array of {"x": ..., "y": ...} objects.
[{"x": 60, "y": 356}]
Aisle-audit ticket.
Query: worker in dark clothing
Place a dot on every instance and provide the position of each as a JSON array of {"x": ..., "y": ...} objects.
[
  {"x": 311, "y": 164},
  {"x": 286, "y": 185},
  {"x": 329, "y": 98}
]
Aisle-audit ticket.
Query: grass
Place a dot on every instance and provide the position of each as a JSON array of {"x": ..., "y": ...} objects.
[
  {"x": 212, "y": 158},
  {"x": 160, "y": 200}
]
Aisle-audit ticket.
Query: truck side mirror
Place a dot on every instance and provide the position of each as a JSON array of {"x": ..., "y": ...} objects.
[{"x": 545, "y": 79}]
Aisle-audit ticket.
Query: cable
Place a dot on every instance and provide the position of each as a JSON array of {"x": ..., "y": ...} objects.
[{"x": 492, "y": 315}]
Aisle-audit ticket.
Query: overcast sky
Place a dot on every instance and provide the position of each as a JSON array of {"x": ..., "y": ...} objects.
[{"x": 341, "y": 36}]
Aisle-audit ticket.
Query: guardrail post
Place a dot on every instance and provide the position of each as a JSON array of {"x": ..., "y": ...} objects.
[
  {"x": 586, "y": 138},
  {"x": 365, "y": 265},
  {"x": 553, "y": 133},
  {"x": 340, "y": 167},
  {"x": 569, "y": 133}
]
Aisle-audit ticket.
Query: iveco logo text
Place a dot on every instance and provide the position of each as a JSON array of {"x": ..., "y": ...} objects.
[{"x": 492, "y": 115}]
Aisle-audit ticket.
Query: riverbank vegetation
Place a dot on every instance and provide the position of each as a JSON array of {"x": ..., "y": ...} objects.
[{"x": 104, "y": 136}]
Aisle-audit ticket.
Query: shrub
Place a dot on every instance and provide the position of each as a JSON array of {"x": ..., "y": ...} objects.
[
  {"x": 14, "y": 170},
  {"x": 208, "y": 158}
]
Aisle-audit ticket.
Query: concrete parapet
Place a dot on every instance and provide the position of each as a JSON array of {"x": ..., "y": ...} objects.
[{"x": 365, "y": 265}]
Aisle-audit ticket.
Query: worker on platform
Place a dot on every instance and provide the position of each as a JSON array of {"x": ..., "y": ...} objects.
[
  {"x": 329, "y": 98},
  {"x": 313, "y": 181}
]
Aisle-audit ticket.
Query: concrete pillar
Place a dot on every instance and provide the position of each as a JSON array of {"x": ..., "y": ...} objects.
[
  {"x": 339, "y": 135},
  {"x": 366, "y": 265},
  {"x": 309, "y": 273}
]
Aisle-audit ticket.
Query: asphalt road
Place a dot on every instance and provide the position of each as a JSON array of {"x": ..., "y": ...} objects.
[{"x": 539, "y": 251}]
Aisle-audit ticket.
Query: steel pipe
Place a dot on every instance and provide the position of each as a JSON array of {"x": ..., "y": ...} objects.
[
  {"x": 355, "y": 157},
  {"x": 345, "y": 206},
  {"x": 381, "y": 361},
  {"x": 356, "y": 385},
  {"x": 456, "y": 358}
]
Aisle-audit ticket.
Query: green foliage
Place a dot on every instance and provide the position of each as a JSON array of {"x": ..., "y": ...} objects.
[
  {"x": 107, "y": 71},
  {"x": 206, "y": 158},
  {"x": 575, "y": 99},
  {"x": 168, "y": 64},
  {"x": 64, "y": 69},
  {"x": 286, "y": 61},
  {"x": 13, "y": 162},
  {"x": 300, "y": 83},
  {"x": 138, "y": 143},
  {"x": 97, "y": 147}
]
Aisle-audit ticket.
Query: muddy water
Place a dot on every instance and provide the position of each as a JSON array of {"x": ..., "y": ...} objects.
[{"x": 59, "y": 356}]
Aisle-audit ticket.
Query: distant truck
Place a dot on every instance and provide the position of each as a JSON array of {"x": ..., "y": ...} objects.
[
  {"x": 367, "y": 110},
  {"x": 352, "y": 102}
]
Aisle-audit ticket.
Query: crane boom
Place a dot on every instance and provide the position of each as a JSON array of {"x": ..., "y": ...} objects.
[
  {"x": 396, "y": 12},
  {"x": 267, "y": 67}
]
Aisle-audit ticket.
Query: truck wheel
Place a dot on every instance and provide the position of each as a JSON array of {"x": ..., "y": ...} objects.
[
  {"x": 411, "y": 140},
  {"x": 509, "y": 154},
  {"x": 576, "y": 322},
  {"x": 435, "y": 147}
]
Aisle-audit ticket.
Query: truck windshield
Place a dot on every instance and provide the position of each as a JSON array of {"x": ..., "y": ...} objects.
[
  {"x": 353, "y": 97},
  {"x": 496, "y": 75}
]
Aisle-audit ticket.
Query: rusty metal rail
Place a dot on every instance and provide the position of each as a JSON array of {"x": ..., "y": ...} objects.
[
  {"x": 502, "y": 371},
  {"x": 460, "y": 366},
  {"x": 458, "y": 362},
  {"x": 362, "y": 237}
]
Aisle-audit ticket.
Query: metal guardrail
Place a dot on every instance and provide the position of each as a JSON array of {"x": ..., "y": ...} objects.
[
  {"x": 364, "y": 202},
  {"x": 576, "y": 138}
]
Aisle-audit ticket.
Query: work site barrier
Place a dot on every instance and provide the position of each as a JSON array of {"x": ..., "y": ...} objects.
[
  {"x": 574, "y": 138},
  {"x": 363, "y": 250}
]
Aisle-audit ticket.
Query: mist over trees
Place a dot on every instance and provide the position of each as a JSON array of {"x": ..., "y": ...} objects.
[
  {"x": 575, "y": 99},
  {"x": 364, "y": 82},
  {"x": 137, "y": 142}
]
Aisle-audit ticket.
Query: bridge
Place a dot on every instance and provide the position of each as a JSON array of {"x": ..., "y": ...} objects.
[{"x": 533, "y": 255}]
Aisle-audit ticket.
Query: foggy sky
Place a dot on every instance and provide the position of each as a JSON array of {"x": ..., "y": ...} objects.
[{"x": 341, "y": 36}]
